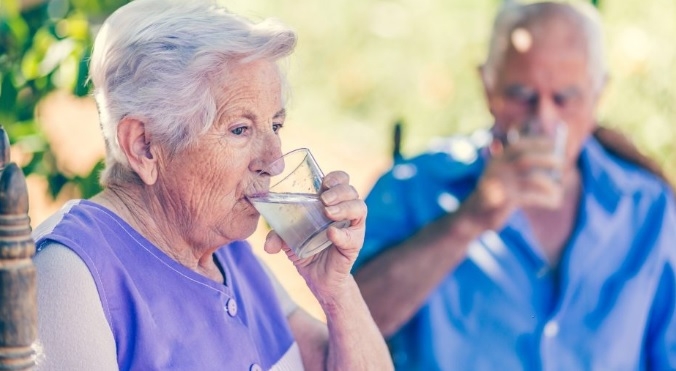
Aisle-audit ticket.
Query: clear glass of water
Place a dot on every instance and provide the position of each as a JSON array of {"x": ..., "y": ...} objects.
[
  {"x": 287, "y": 196},
  {"x": 557, "y": 133}
]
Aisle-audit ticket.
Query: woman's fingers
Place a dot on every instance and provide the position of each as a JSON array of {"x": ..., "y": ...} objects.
[
  {"x": 273, "y": 243},
  {"x": 338, "y": 194},
  {"x": 342, "y": 200},
  {"x": 334, "y": 179},
  {"x": 345, "y": 239},
  {"x": 352, "y": 210}
]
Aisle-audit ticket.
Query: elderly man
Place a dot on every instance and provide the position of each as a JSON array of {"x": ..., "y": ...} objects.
[{"x": 510, "y": 256}]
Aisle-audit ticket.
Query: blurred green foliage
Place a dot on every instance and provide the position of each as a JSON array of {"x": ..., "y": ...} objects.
[
  {"x": 359, "y": 67},
  {"x": 641, "y": 95},
  {"x": 362, "y": 65},
  {"x": 44, "y": 46}
]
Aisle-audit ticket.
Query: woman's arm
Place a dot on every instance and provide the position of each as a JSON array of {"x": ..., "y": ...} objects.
[
  {"x": 72, "y": 330},
  {"x": 352, "y": 334},
  {"x": 350, "y": 340}
]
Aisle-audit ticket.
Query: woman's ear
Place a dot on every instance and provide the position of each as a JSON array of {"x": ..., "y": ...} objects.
[{"x": 136, "y": 145}]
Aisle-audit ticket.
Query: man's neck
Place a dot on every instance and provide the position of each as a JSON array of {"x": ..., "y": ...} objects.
[{"x": 552, "y": 227}]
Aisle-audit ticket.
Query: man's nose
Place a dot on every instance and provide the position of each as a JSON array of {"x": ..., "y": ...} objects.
[{"x": 547, "y": 114}]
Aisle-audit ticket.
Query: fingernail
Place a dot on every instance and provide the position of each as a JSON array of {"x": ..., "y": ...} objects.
[
  {"x": 332, "y": 182},
  {"x": 328, "y": 197},
  {"x": 332, "y": 210}
]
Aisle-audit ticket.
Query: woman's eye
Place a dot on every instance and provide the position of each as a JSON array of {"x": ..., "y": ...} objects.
[
  {"x": 277, "y": 127},
  {"x": 239, "y": 130}
]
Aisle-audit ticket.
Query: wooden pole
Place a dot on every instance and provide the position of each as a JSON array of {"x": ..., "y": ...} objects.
[
  {"x": 18, "y": 297},
  {"x": 396, "y": 141}
]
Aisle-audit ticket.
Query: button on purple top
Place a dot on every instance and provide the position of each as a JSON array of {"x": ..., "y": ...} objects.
[{"x": 165, "y": 316}]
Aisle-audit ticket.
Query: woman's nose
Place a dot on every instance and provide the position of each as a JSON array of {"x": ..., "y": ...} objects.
[{"x": 268, "y": 151}]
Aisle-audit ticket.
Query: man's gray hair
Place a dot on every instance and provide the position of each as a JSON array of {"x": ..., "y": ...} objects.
[
  {"x": 514, "y": 15},
  {"x": 158, "y": 61}
]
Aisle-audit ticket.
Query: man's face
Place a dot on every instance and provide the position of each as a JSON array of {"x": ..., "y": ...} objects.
[{"x": 547, "y": 81}]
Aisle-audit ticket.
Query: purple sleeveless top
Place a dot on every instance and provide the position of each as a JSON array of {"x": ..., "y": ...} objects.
[{"x": 165, "y": 316}]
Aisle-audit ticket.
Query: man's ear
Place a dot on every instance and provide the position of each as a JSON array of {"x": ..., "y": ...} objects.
[
  {"x": 600, "y": 88},
  {"x": 488, "y": 84},
  {"x": 135, "y": 143}
]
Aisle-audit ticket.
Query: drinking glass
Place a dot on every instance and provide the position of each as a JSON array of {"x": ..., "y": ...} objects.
[
  {"x": 287, "y": 196},
  {"x": 558, "y": 134}
]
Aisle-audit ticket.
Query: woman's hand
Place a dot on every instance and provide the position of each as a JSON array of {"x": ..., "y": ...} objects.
[{"x": 326, "y": 272}]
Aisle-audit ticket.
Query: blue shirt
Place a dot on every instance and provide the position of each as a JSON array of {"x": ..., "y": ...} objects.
[{"x": 608, "y": 306}]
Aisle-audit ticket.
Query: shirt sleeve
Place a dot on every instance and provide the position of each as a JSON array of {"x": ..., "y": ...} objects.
[
  {"x": 661, "y": 339},
  {"x": 285, "y": 301},
  {"x": 73, "y": 333},
  {"x": 386, "y": 219},
  {"x": 661, "y": 331},
  {"x": 415, "y": 192}
]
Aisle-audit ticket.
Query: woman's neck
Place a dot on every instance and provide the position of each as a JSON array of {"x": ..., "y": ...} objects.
[{"x": 162, "y": 226}]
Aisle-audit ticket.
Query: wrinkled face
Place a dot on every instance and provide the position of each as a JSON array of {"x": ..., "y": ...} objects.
[
  {"x": 546, "y": 80},
  {"x": 205, "y": 183}
]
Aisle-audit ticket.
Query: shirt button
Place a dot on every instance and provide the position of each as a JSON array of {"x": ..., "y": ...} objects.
[
  {"x": 231, "y": 307},
  {"x": 551, "y": 329},
  {"x": 255, "y": 367}
]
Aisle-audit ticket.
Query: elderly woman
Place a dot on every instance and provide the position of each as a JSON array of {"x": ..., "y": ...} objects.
[{"x": 152, "y": 273}]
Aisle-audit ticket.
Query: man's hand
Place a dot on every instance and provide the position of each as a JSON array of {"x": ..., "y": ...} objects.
[{"x": 517, "y": 175}]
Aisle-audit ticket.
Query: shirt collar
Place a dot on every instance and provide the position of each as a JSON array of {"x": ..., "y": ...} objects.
[
  {"x": 448, "y": 160},
  {"x": 601, "y": 175}
]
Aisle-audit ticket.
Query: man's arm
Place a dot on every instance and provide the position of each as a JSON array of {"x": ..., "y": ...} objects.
[{"x": 397, "y": 282}]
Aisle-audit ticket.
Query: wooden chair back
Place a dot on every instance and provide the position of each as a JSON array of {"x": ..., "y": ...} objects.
[{"x": 18, "y": 297}]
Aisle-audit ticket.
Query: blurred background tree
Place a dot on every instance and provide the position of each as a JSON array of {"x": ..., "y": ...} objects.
[
  {"x": 360, "y": 66},
  {"x": 45, "y": 46}
]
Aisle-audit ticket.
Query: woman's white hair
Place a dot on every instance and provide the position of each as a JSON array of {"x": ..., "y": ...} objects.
[
  {"x": 156, "y": 61},
  {"x": 514, "y": 14}
]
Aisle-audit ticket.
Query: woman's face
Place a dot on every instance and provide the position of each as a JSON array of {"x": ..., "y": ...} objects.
[{"x": 204, "y": 185}]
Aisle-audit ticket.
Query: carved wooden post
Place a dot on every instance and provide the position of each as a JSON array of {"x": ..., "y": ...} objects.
[{"x": 18, "y": 298}]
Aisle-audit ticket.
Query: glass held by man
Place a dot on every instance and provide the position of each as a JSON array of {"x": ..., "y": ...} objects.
[{"x": 554, "y": 135}]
